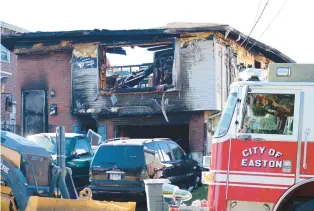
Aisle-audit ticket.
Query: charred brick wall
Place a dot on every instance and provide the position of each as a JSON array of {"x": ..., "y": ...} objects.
[
  {"x": 197, "y": 133},
  {"x": 43, "y": 72}
]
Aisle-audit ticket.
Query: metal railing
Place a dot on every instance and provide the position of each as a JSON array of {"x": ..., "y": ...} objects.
[
  {"x": 12, "y": 128},
  {"x": 117, "y": 139}
]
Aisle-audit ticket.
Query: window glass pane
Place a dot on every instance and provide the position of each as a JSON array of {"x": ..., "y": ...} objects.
[
  {"x": 5, "y": 54},
  {"x": 44, "y": 142},
  {"x": 49, "y": 144},
  {"x": 124, "y": 157},
  {"x": 226, "y": 117},
  {"x": 164, "y": 151},
  {"x": 150, "y": 146},
  {"x": 176, "y": 151},
  {"x": 81, "y": 146},
  {"x": 268, "y": 114},
  {"x": 67, "y": 145},
  {"x": 155, "y": 148},
  {"x": 38, "y": 167}
]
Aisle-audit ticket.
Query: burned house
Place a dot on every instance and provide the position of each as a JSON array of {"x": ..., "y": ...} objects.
[{"x": 163, "y": 82}]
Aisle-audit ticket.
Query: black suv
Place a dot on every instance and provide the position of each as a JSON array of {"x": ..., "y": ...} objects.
[{"x": 120, "y": 166}]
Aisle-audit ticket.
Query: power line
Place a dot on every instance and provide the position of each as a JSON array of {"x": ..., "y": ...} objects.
[
  {"x": 259, "y": 5},
  {"x": 255, "y": 23},
  {"x": 270, "y": 23}
]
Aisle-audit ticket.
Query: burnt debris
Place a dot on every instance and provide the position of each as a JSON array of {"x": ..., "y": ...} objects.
[{"x": 147, "y": 76}]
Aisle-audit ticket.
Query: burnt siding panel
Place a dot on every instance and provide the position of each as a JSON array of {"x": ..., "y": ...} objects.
[
  {"x": 134, "y": 99},
  {"x": 158, "y": 119},
  {"x": 198, "y": 77},
  {"x": 220, "y": 71},
  {"x": 85, "y": 85}
]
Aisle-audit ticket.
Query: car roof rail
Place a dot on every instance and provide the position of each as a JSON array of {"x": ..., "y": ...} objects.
[{"x": 117, "y": 139}]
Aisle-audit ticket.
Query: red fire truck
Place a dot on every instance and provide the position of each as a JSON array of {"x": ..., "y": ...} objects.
[{"x": 262, "y": 155}]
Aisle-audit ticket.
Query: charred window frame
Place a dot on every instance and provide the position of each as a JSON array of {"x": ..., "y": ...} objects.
[{"x": 147, "y": 77}]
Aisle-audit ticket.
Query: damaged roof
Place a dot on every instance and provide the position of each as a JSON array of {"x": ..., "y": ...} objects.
[
  {"x": 171, "y": 30},
  {"x": 181, "y": 25}
]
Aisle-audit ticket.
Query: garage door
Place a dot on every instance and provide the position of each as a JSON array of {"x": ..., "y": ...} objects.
[{"x": 178, "y": 133}]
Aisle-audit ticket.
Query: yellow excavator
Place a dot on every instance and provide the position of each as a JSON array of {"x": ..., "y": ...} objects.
[{"x": 30, "y": 181}]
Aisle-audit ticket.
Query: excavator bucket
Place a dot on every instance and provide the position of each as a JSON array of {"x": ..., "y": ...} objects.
[{"x": 36, "y": 203}]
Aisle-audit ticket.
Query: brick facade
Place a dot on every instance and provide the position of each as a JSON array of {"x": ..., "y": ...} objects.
[
  {"x": 43, "y": 72},
  {"x": 110, "y": 129},
  {"x": 197, "y": 133}
]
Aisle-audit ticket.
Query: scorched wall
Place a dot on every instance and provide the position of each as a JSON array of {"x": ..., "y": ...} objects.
[{"x": 43, "y": 72}]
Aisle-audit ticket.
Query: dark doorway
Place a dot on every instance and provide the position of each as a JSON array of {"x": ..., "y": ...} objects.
[
  {"x": 88, "y": 123},
  {"x": 257, "y": 64},
  {"x": 34, "y": 112},
  {"x": 178, "y": 133}
]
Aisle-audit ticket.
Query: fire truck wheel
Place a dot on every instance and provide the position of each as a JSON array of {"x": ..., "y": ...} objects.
[{"x": 308, "y": 206}]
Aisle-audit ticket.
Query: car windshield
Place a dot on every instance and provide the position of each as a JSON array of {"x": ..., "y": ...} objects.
[
  {"x": 121, "y": 156},
  {"x": 226, "y": 117},
  {"x": 49, "y": 144}
]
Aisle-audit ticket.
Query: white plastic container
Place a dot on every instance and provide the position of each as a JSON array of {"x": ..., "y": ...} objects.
[{"x": 154, "y": 195}]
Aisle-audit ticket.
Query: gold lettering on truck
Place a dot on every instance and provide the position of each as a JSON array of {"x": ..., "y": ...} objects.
[{"x": 269, "y": 163}]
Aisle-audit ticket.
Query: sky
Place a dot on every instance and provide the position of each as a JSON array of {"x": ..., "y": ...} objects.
[{"x": 291, "y": 32}]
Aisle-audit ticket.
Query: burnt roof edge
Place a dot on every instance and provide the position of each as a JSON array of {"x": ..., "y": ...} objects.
[
  {"x": 11, "y": 40},
  {"x": 224, "y": 28}
]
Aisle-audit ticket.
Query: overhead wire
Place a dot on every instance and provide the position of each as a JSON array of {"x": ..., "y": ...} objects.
[
  {"x": 269, "y": 24},
  {"x": 255, "y": 23},
  {"x": 259, "y": 5}
]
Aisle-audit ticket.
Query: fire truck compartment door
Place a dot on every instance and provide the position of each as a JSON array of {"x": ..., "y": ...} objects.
[{"x": 306, "y": 145}]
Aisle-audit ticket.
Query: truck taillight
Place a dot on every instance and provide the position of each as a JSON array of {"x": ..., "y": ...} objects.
[{"x": 173, "y": 208}]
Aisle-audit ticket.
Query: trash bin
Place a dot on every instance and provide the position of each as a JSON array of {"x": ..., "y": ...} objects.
[{"x": 154, "y": 195}]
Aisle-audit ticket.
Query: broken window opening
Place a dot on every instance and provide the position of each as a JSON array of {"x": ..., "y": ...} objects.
[
  {"x": 257, "y": 64},
  {"x": 140, "y": 68}
]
